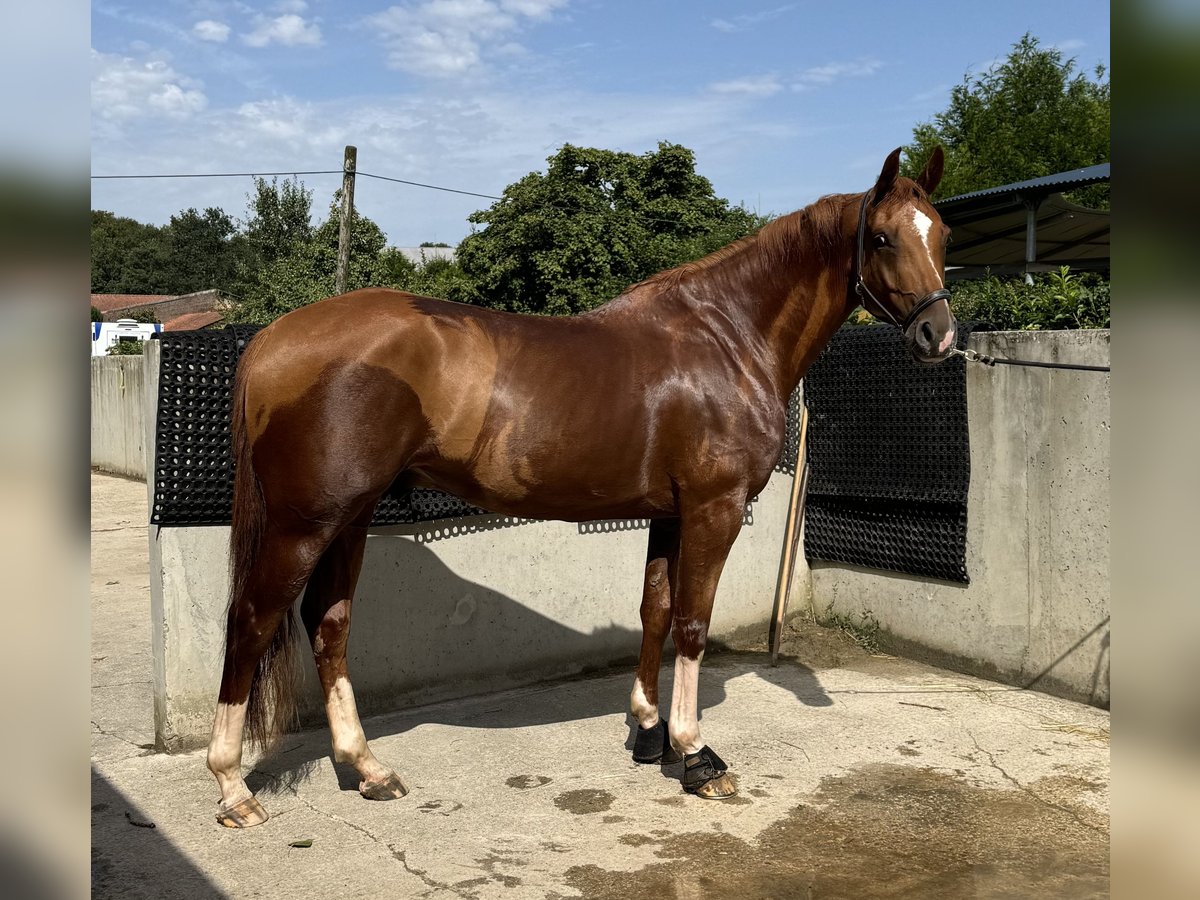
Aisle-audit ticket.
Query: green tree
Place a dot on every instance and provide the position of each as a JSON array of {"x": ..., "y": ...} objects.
[
  {"x": 306, "y": 272},
  {"x": 97, "y": 316},
  {"x": 436, "y": 277},
  {"x": 202, "y": 251},
  {"x": 594, "y": 223},
  {"x": 128, "y": 257},
  {"x": 1033, "y": 114},
  {"x": 280, "y": 218}
]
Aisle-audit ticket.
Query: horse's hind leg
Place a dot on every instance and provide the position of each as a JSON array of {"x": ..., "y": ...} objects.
[
  {"x": 326, "y": 613},
  {"x": 662, "y": 559},
  {"x": 258, "y": 628}
]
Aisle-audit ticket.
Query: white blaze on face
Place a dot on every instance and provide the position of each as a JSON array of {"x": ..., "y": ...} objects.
[
  {"x": 921, "y": 225},
  {"x": 685, "y": 723}
]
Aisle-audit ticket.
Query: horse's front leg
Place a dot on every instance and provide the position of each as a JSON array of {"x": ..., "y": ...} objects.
[
  {"x": 708, "y": 532},
  {"x": 662, "y": 566}
]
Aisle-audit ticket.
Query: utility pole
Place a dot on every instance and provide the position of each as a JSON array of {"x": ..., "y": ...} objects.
[{"x": 349, "y": 164}]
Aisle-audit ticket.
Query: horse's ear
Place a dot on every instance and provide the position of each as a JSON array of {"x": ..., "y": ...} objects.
[
  {"x": 932, "y": 174},
  {"x": 887, "y": 176}
]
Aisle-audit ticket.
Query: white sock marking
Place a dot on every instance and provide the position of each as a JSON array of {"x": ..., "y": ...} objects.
[
  {"x": 643, "y": 710},
  {"x": 685, "y": 721},
  {"x": 225, "y": 752},
  {"x": 349, "y": 742}
]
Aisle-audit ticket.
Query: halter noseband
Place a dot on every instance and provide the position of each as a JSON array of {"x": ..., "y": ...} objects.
[{"x": 864, "y": 293}]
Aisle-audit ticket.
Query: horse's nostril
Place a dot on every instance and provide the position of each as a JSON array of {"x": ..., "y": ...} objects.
[{"x": 927, "y": 333}]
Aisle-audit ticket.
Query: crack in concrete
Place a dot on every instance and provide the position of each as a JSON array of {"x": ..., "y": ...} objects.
[
  {"x": 98, "y": 730},
  {"x": 1032, "y": 793},
  {"x": 121, "y": 684},
  {"x": 399, "y": 855}
]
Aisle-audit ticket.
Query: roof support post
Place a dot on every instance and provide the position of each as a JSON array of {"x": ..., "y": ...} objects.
[{"x": 1031, "y": 208}]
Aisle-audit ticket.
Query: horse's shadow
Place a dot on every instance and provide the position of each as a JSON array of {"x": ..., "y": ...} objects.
[{"x": 422, "y": 634}]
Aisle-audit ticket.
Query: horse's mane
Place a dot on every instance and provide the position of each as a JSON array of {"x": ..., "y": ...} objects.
[{"x": 815, "y": 229}]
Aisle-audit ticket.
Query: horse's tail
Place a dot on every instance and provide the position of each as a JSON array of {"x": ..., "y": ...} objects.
[{"x": 271, "y": 706}]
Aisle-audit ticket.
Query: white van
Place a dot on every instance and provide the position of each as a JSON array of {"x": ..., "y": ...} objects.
[{"x": 108, "y": 334}]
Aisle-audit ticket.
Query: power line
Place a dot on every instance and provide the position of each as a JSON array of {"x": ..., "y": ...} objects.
[
  {"x": 432, "y": 187},
  {"x": 219, "y": 174}
]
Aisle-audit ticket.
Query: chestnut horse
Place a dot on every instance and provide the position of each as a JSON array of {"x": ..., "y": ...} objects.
[{"x": 667, "y": 403}]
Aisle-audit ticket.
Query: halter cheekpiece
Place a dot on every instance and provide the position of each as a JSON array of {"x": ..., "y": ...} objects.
[{"x": 864, "y": 293}]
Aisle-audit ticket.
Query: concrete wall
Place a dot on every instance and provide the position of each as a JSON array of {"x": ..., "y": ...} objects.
[
  {"x": 118, "y": 415},
  {"x": 1037, "y": 610},
  {"x": 439, "y": 615}
]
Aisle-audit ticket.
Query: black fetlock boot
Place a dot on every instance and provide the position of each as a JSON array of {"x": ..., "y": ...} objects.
[{"x": 653, "y": 745}]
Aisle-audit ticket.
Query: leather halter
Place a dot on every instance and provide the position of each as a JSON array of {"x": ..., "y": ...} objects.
[{"x": 864, "y": 293}]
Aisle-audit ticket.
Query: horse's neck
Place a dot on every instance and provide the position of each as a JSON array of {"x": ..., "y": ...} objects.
[{"x": 791, "y": 295}]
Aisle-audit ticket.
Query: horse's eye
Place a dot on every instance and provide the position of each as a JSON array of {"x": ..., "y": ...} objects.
[{"x": 881, "y": 241}]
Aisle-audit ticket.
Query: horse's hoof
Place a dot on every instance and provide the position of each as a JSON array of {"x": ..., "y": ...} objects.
[
  {"x": 719, "y": 788},
  {"x": 245, "y": 814},
  {"x": 705, "y": 775},
  {"x": 391, "y": 788},
  {"x": 653, "y": 745}
]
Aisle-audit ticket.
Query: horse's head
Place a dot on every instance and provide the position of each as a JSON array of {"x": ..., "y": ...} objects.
[{"x": 900, "y": 259}]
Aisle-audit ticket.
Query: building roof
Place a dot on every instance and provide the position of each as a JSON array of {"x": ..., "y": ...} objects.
[
  {"x": 109, "y": 302},
  {"x": 991, "y": 227},
  {"x": 1047, "y": 184},
  {"x": 192, "y": 321}
]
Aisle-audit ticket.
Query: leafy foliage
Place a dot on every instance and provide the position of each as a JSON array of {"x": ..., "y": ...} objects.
[
  {"x": 127, "y": 256},
  {"x": 1056, "y": 300},
  {"x": 280, "y": 220},
  {"x": 202, "y": 251},
  {"x": 597, "y": 221},
  {"x": 307, "y": 271},
  {"x": 195, "y": 251},
  {"x": 1029, "y": 116},
  {"x": 97, "y": 316},
  {"x": 436, "y": 277},
  {"x": 125, "y": 348}
]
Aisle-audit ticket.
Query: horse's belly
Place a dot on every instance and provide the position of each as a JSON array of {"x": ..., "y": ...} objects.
[{"x": 570, "y": 489}]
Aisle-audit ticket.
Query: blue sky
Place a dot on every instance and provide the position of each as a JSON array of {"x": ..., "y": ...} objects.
[{"x": 781, "y": 102}]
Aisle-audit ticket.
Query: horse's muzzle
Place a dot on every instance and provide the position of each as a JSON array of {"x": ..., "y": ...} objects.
[{"x": 932, "y": 336}]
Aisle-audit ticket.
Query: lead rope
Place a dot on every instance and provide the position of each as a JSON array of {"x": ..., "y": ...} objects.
[{"x": 975, "y": 356}]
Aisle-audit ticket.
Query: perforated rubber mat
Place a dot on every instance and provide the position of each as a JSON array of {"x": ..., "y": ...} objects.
[
  {"x": 889, "y": 456},
  {"x": 193, "y": 471}
]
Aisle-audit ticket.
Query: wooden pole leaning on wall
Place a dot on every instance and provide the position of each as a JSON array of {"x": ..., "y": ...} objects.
[
  {"x": 349, "y": 164},
  {"x": 791, "y": 540}
]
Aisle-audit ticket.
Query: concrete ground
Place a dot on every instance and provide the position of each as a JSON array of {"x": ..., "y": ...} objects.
[{"x": 860, "y": 776}]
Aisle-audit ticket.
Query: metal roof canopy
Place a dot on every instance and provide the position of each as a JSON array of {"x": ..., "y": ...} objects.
[{"x": 1026, "y": 227}]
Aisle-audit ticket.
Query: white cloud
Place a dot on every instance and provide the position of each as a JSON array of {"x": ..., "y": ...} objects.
[
  {"x": 289, "y": 30},
  {"x": 125, "y": 89},
  {"x": 534, "y": 9},
  {"x": 751, "y": 85},
  {"x": 208, "y": 30},
  {"x": 831, "y": 72},
  {"x": 749, "y": 20},
  {"x": 1070, "y": 45},
  {"x": 451, "y": 37}
]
